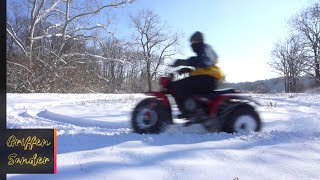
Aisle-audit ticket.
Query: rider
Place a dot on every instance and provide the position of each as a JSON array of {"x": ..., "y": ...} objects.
[{"x": 203, "y": 78}]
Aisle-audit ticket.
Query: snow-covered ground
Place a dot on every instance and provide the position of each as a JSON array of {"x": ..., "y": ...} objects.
[{"x": 95, "y": 140}]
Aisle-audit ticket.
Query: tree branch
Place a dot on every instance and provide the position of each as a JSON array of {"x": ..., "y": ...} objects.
[{"x": 16, "y": 38}]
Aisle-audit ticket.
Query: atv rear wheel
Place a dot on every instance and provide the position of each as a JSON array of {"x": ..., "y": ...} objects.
[
  {"x": 243, "y": 119},
  {"x": 150, "y": 116}
]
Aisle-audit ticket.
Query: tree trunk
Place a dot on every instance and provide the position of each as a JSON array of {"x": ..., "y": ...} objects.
[
  {"x": 286, "y": 85},
  {"x": 317, "y": 72},
  {"x": 149, "y": 77}
]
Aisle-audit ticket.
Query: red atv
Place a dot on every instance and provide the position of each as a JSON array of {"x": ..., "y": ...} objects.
[{"x": 221, "y": 110}]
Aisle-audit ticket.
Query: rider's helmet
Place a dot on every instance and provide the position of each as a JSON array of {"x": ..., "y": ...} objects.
[
  {"x": 197, "y": 37},
  {"x": 197, "y": 42}
]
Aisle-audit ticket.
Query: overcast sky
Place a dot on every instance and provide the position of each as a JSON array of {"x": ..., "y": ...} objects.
[{"x": 243, "y": 32}]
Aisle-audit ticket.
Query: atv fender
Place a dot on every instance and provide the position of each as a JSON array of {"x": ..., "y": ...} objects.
[
  {"x": 160, "y": 96},
  {"x": 214, "y": 104}
]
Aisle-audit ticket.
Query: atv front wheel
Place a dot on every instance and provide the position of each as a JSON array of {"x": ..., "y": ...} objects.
[
  {"x": 243, "y": 119},
  {"x": 150, "y": 116}
]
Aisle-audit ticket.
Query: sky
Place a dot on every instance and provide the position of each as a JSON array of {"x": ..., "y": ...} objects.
[{"x": 242, "y": 32}]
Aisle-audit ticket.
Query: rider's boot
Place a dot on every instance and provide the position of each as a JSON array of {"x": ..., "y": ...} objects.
[
  {"x": 183, "y": 116},
  {"x": 199, "y": 116},
  {"x": 183, "y": 113}
]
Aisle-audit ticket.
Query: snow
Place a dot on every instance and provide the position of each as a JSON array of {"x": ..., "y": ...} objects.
[{"x": 95, "y": 140}]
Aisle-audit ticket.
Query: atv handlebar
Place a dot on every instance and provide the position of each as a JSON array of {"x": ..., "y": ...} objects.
[
  {"x": 184, "y": 70},
  {"x": 180, "y": 71}
]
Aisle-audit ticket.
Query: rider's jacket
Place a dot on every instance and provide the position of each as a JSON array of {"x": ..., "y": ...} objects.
[{"x": 205, "y": 63}]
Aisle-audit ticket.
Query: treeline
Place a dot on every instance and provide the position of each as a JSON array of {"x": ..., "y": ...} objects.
[
  {"x": 299, "y": 54},
  {"x": 274, "y": 85},
  {"x": 56, "y": 46}
]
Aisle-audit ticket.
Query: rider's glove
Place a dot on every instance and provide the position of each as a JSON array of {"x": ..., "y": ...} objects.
[{"x": 179, "y": 62}]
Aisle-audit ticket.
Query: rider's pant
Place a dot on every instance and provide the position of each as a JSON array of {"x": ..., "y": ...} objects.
[{"x": 185, "y": 88}]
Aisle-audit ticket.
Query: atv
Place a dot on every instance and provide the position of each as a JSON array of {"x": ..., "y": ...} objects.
[{"x": 224, "y": 110}]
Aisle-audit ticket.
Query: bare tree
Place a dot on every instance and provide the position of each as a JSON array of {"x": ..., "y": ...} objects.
[
  {"x": 289, "y": 61},
  {"x": 307, "y": 25},
  {"x": 58, "y": 34},
  {"x": 154, "y": 39}
]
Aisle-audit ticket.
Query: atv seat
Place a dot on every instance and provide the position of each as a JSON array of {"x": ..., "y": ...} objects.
[
  {"x": 225, "y": 91},
  {"x": 218, "y": 92}
]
